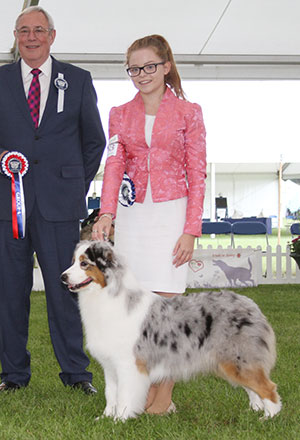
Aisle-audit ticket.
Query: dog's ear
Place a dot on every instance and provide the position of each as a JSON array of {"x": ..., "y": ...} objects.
[{"x": 101, "y": 253}]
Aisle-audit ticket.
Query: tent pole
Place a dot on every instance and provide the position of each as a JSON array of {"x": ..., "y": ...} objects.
[
  {"x": 212, "y": 192},
  {"x": 279, "y": 201}
]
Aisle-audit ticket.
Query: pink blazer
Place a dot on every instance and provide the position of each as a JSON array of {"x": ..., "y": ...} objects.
[{"x": 177, "y": 164}]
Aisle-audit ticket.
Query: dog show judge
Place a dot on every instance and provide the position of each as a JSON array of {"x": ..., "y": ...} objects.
[{"x": 51, "y": 144}]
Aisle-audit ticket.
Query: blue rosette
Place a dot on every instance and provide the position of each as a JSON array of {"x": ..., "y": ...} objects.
[{"x": 127, "y": 192}]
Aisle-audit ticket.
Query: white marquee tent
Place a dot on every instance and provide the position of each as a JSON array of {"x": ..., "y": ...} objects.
[
  {"x": 211, "y": 39},
  {"x": 215, "y": 39}
]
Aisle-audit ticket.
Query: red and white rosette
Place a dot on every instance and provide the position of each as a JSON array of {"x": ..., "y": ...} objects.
[{"x": 15, "y": 165}]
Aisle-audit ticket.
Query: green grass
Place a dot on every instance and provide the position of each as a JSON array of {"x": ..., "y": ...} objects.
[{"x": 208, "y": 408}]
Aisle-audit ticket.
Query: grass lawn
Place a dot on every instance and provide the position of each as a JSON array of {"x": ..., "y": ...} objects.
[{"x": 208, "y": 408}]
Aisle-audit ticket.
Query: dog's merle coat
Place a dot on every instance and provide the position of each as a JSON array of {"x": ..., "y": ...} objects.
[
  {"x": 204, "y": 329},
  {"x": 142, "y": 338}
]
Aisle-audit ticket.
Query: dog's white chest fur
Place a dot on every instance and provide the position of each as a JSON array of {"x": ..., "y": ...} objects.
[{"x": 111, "y": 325}]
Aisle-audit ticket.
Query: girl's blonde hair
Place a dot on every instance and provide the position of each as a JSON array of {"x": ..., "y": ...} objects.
[{"x": 162, "y": 48}]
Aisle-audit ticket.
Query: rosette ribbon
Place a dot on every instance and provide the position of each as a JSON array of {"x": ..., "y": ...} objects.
[
  {"x": 62, "y": 85},
  {"x": 15, "y": 165},
  {"x": 127, "y": 191}
]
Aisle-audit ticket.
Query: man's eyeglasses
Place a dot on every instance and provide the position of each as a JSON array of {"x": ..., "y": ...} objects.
[
  {"x": 148, "y": 68},
  {"x": 38, "y": 31}
]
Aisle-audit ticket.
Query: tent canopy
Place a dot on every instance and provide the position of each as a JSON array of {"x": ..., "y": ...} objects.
[
  {"x": 211, "y": 39},
  {"x": 219, "y": 39},
  {"x": 288, "y": 169}
]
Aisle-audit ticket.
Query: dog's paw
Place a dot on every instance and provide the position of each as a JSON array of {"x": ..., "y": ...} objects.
[
  {"x": 109, "y": 411},
  {"x": 123, "y": 414},
  {"x": 271, "y": 408},
  {"x": 256, "y": 403}
]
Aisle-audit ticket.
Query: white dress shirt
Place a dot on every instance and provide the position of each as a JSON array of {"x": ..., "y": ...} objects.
[{"x": 44, "y": 78}]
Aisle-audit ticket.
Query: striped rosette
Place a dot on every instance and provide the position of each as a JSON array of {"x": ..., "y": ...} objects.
[
  {"x": 15, "y": 165},
  {"x": 127, "y": 191}
]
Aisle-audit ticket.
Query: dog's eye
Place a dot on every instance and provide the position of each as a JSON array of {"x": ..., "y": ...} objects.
[{"x": 83, "y": 264}]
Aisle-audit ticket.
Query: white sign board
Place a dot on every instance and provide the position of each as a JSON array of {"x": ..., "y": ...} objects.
[{"x": 222, "y": 268}]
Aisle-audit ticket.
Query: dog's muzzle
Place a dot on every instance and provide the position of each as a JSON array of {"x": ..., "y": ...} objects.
[{"x": 75, "y": 287}]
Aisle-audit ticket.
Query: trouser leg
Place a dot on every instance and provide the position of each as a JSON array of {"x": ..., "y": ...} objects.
[
  {"x": 54, "y": 243},
  {"x": 16, "y": 263}
]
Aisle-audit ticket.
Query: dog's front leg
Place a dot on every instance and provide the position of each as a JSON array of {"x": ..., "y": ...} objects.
[
  {"x": 111, "y": 385},
  {"x": 133, "y": 388}
]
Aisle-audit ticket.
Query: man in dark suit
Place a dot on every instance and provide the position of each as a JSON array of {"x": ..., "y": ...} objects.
[{"x": 63, "y": 146}]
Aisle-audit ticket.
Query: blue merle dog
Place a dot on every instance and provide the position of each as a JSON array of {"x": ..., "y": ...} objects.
[{"x": 141, "y": 338}]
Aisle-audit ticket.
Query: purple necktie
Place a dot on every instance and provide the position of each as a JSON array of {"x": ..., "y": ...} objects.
[{"x": 34, "y": 97}]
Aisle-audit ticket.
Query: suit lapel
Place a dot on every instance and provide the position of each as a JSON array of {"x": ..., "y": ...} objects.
[
  {"x": 163, "y": 119},
  {"x": 51, "y": 103},
  {"x": 15, "y": 83},
  {"x": 136, "y": 120}
]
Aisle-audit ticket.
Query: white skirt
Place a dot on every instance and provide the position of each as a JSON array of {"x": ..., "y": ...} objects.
[{"x": 146, "y": 234}]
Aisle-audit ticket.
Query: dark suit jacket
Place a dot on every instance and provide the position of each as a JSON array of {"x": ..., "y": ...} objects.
[{"x": 64, "y": 152}]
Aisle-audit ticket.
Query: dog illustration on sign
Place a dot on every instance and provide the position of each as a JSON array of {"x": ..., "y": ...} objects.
[{"x": 236, "y": 274}]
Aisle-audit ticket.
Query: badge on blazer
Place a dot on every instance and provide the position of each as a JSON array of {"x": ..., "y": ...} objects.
[
  {"x": 61, "y": 84},
  {"x": 112, "y": 147}
]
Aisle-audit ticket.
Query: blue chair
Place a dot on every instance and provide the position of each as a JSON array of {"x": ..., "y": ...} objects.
[
  {"x": 295, "y": 229},
  {"x": 218, "y": 228},
  {"x": 250, "y": 228}
]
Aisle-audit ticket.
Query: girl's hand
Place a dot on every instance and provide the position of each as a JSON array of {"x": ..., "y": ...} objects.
[
  {"x": 183, "y": 250},
  {"x": 101, "y": 227}
]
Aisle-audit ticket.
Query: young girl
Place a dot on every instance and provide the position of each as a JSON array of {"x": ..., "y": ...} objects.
[{"x": 158, "y": 139}]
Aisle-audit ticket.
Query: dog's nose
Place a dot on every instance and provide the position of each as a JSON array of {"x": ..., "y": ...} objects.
[{"x": 64, "y": 278}]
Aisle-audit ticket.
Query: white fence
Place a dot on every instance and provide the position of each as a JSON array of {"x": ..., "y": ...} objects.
[
  {"x": 269, "y": 267},
  {"x": 223, "y": 267},
  {"x": 286, "y": 270}
]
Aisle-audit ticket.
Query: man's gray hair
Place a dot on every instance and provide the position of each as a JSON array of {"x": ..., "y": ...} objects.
[{"x": 36, "y": 9}]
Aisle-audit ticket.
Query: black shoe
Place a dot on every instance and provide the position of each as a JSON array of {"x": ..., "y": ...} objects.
[
  {"x": 86, "y": 387},
  {"x": 9, "y": 386}
]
